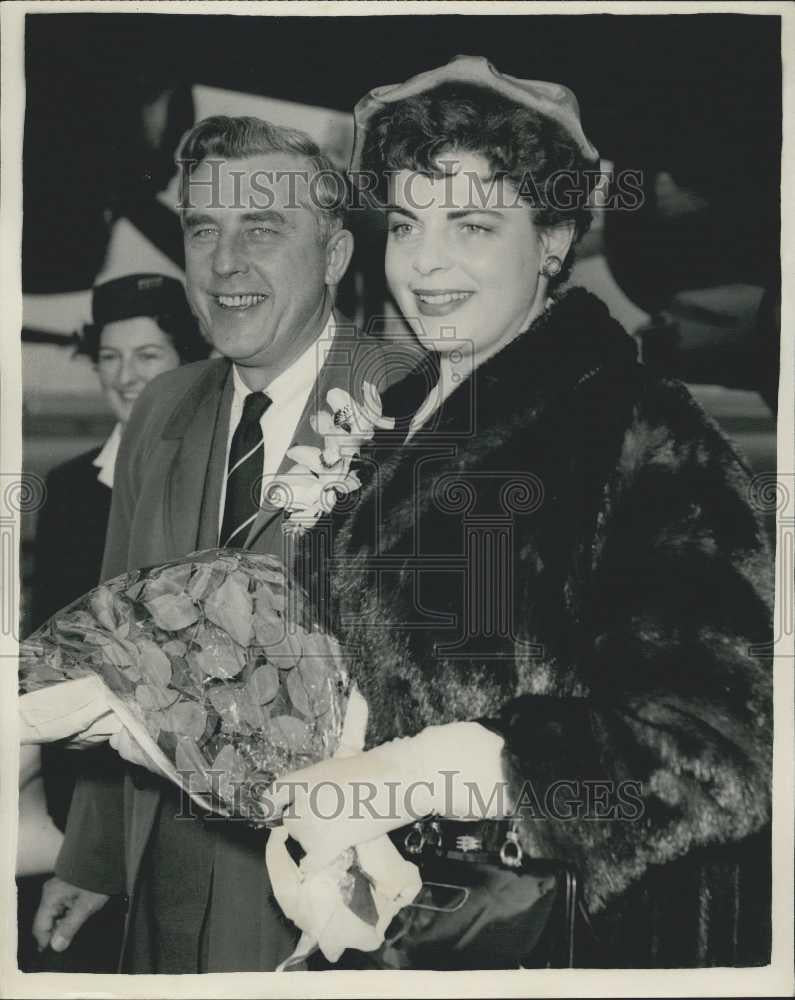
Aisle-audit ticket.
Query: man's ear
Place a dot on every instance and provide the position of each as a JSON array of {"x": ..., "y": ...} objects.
[
  {"x": 339, "y": 251},
  {"x": 556, "y": 240}
]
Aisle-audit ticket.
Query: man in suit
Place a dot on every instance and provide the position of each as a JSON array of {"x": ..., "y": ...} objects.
[{"x": 265, "y": 249}]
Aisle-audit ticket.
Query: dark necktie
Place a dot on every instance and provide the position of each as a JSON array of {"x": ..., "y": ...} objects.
[{"x": 244, "y": 472}]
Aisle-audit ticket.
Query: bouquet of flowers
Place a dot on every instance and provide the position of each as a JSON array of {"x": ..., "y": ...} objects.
[
  {"x": 215, "y": 667},
  {"x": 213, "y": 664}
]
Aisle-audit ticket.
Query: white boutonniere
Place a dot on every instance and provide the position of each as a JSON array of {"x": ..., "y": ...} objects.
[{"x": 312, "y": 486}]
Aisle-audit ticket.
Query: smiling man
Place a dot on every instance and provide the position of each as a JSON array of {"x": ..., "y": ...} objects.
[{"x": 265, "y": 248}]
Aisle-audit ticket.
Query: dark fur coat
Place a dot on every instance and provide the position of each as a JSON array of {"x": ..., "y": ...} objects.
[{"x": 566, "y": 552}]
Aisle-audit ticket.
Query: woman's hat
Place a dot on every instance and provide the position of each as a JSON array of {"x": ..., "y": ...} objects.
[
  {"x": 550, "y": 99},
  {"x": 137, "y": 295}
]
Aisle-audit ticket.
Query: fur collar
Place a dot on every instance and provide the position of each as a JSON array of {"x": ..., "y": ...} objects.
[{"x": 572, "y": 340}]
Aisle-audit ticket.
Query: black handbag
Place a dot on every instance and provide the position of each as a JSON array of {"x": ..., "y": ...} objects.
[{"x": 483, "y": 904}]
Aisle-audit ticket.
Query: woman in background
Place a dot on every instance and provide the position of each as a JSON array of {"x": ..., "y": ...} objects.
[{"x": 142, "y": 326}]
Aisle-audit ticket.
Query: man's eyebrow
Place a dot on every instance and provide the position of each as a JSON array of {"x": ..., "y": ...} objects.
[
  {"x": 190, "y": 218},
  {"x": 401, "y": 210},
  {"x": 266, "y": 215}
]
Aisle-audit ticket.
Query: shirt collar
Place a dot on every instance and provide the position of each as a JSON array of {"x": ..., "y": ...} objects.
[
  {"x": 301, "y": 374},
  {"x": 106, "y": 459}
]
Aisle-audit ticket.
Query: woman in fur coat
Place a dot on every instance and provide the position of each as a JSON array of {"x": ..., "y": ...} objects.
[{"x": 556, "y": 592}]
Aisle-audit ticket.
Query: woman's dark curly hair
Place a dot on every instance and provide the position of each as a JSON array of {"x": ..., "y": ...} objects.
[
  {"x": 178, "y": 324},
  {"x": 532, "y": 151}
]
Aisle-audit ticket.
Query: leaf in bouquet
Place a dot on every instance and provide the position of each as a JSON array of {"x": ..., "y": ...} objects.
[
  {"x": 269, "y": 598},
  {"x": 151, "y": 696},
  {"x": 285, "y": 653},
  {"x": 184, "y": 676},
  {"x": 154, "y": 664},
  {"x": 166, "y": 740},
  {"x": 229, "y": 702},
  {"x": 103, "y": 606},
  {"x": 211, "y": 727},
  {"x": 257, "y": 716},
  {"x": 170, "y": 580},
  {"x": 134, "y": 591},
  {"x": 216, "y": 654},
  {"x": 270, "y": 571},
  {"x": 281, "y": 704},
  {"x": 233, "y": 771},
  {"x": 188, "y": 759},
  {"x": 205, "y": 579},
  {"x": 120, "y": 681},
  {"x": 289, "y": 731},
  {"x": 172, "y": 611},
  {"x": 98, "y": 638},
  {"x": 230, "y": 608},
  {"x": 77, "y": 621},
  {"x": 269, "y": 628},
  {"x": 174, "y": 647},
  {"x": 358, "y": 896},
  {"x": 122, "y": 653},
  {"x": 263, "y": 685},
  {"x": 185, "y": 718},
  {"x": 309, "y": 687}
]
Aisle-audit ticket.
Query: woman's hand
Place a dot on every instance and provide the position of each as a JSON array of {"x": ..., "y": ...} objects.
[
  {"x": 453, "y": 770},
  {"x": 345, "y": 801}
]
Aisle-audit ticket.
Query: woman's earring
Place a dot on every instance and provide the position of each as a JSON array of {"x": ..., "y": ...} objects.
[{"x": 552, "y": 266}]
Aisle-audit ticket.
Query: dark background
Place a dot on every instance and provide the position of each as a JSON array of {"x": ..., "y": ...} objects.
[{"x": 699, "y": 93}]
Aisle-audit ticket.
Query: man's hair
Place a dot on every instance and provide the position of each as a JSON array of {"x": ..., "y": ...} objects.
[
  {"x": 519, "y": 144},
  {"x": 228, "y": 138}
]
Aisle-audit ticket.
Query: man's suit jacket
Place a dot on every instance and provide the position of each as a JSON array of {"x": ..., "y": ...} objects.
[{"x": 166, "y": 501}]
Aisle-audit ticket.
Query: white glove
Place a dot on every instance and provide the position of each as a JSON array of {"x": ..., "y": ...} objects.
[
  {"x": 453, "y": 771},
  {"x": 78, "y": 710},
  {"x": 84, "y": 712}
]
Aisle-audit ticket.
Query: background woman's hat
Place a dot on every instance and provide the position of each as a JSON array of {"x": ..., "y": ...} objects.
[
  {"x": 550, "y": 99},
  {"x": 137, "y": 295}
]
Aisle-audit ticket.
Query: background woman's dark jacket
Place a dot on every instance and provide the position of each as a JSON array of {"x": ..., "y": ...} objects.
[
  {"x": 567, "y": 552},
  {"x": 70, "y": 536}
]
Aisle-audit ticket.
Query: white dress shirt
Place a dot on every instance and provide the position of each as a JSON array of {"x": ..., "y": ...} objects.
[
  {"x": 106, "y": 459},
  {"x": 289, "y": 393}
]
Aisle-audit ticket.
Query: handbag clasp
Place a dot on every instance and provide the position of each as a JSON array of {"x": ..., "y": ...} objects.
[
  {"x": 415, "y": 839},
  {"x": 511, "y": 852}
]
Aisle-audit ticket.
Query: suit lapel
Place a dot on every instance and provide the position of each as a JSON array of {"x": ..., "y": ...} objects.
[
  {"x": 200, "y": 422},
  {"x": 216, "y": 472}
]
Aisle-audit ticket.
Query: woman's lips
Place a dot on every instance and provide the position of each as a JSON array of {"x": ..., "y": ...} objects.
[{"x": 440, "y": 303}]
